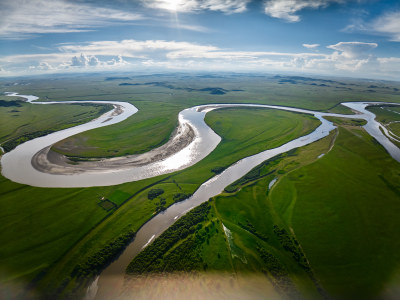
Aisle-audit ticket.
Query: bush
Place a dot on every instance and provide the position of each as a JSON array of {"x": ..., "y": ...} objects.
[
  {"x": 181, "y": 196},
  {"x": 217, "y": 170},
  {"x": 95, "y": 263},
  {"x": 184, "y": 257},
  {"x": 154, "y": 193}
]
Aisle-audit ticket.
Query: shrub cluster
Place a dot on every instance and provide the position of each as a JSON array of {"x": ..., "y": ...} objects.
[
  {"x": 290, "y": 244},
  {"x": 154, "y": 193},
  {"x": 152, "y": 259},
  {"x": 218, "y": 170},
  {"x": 95, "y": 263},
  {"x": 181, "y": 196},
  {"x": 281, "y": 276},
  {"x": 260, "y": 171},
  {"x": 250, "y": 228}
]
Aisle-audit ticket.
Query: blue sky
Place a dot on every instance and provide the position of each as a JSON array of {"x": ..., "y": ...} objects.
[{"x": 355, "y": 38}]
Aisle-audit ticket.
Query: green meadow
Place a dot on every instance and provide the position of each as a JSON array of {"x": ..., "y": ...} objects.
[
  {"x": 22, "y": 121},
  {"x": 174, "y": 92},
  {"x": 389, "y": 116},
  {"x": 328, "y": 226},
  {"x": 50, "y": 247},
  {"x": 343, "y": 209},
  {"x": 48, "y": 234}
]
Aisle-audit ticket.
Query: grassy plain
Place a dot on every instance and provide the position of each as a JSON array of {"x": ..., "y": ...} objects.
[
  {"x": 60, "y": 228},
  {"x": 177, "y": 91},
  {"x": 389, "y": 116},
  {"x": 341, "y": 208},
  {"x": 247, "y": 214},
  {"x": 22, "y": 118},
  {"x": 256, "y": 122},
  {"x": 134, "y": 208}
]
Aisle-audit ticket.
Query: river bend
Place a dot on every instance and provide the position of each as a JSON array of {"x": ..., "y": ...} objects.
[{"x": 17, "y": 166}]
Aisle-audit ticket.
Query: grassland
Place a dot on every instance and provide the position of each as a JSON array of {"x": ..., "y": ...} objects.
[
  {"x": 132, "y": 206},
  {"x": 348, "y": 202},
  {"x": 177, "y": 91},
  {"x": 150, "y": 127},
  {"x": 389, "y": 116},
  {"x": 48, "y": 232},
  {"x": 338, "y": 213},
  {"x": 254, "y": 245},
  {"x": 22, "y": 121}
]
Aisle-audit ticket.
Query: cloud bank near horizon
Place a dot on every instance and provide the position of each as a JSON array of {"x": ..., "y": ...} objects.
[
  {"x": 218, "y": 35},
  {"x": 355, "y": 58}
]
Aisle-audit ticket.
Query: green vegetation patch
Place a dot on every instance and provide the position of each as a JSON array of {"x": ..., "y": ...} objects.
[
  {"x": 309, "y": 235},
  {"x": 76, "y": 236},
  {"x": 149, "y": 128},
  {"x": 118, "y": 197},
  {"x": 218, "y": 169},
  {"x": 30, "y": 121},
  {"x": 239, "y": 235},
  {"x": 385, "y": 113},
  {"x": 388, "y": 116},
  {"x": 4, "y": 103},
  {"x": 107, "y": 204},
  {"x": 182, "y": 257},
  {"x": 95, "y": 263},
  {"x": 346, "y": 121},
  {"x": 344, "y": 210},
  {"x": 154, "y": 193}
]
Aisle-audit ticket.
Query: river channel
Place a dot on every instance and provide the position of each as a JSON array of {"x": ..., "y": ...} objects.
[{"x": 17, "y": 166}]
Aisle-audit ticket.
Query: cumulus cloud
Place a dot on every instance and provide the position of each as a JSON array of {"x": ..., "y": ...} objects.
[
  {"x": 84, "y": 61},
  {"x": 22, "y": 19},
  {"x": 288, "y": 9},
  {"x": 388, "y": 24},
  {"x": 226, "y": 6},
  {"x": 45, "y": 66},
  {"x": 311, "y": 46},
  {"x": 353, "y": 50},
  {"x": 119, "y": 61}
]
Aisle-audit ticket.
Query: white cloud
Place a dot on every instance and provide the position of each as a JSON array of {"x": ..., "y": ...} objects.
[
  {"x": 133, "y": 48},
  {"x": 45, "y": 66},
  {"x": 226, "y": 6},
  {"x": 22, "y": 19},
  {"x": 348, "y": 58},
  {"x": 232, "y": 55},
  {"x": 117, "y": 62},
  {"x": 84, "y": 61},
  {"x": 388, "y": 24},
  {"x": 288, "y": 9},
  {"x": 197, "y": 28},
  {"x": 344, "y": 58},
  {"x": 311, "y": 46},
  {"x": 354, "y": 50}
]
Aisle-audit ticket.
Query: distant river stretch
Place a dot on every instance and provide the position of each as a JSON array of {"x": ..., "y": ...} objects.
[{"x": 17, "y": 166}]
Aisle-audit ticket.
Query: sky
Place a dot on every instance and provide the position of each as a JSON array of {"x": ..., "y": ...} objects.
[{"x": 353, "y": 38}]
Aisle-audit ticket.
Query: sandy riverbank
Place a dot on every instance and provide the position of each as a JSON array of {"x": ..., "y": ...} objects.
[{"x": 49, "y": 161}]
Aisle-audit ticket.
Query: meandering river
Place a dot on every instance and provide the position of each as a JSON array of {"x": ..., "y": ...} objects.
[{"x": 17, "y": 166}]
